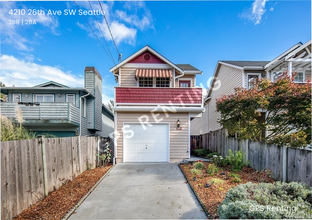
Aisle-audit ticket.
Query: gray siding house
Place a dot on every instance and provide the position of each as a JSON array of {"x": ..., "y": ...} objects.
[
  {"x": 229, "y": 75},
  {"x": 53, "y": 108}
]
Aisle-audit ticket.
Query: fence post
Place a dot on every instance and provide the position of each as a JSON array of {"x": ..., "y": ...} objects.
[
  {"x": 79, "y": 154},
  {"x": 246, "y": 144},
  {"x": 44, "y": 166},
  {"x": 284, "y": 163}
]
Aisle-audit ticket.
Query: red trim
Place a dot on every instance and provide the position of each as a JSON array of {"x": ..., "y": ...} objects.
[
  {"x": 140, "y": 59},
  {"x": 159, "y": 95}
]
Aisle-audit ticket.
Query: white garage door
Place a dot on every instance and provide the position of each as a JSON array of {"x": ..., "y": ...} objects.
[{"x": 150, "y": 145}]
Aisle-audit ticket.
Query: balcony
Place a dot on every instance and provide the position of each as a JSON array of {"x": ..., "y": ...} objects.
[
  {"x": 149, "y": 96},
  {"x": 43, "y": 114}
]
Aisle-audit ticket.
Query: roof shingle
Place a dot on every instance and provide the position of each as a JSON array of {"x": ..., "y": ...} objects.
[
  {"x": 246, "y": 63},
  {"x": 187, "y": 67}
]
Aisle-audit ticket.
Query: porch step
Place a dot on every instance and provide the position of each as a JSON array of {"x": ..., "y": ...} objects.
[{"x": 194, "y": 159}]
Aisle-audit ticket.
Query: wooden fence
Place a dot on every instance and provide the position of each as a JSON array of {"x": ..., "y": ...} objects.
[
  {"x": 30, "y": 169},
  {"x": 287, "y": 164}
]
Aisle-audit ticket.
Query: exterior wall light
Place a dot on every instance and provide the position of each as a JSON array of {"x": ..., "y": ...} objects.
[{"x": 178, "y": 125}]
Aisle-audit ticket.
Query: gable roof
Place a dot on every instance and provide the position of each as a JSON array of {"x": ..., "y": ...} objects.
[
  {"x": 51, "y": 84},
  {"x": 146, "y": 48},
  {"x": 187, "y": 67},
  {"x": 283, "y": 55},
  {"x": 246, "y": 64}
]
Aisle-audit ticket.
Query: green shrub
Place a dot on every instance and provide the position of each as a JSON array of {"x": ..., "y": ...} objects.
[
  {"x": 201, "y": 152},
  {"x": 212, "y": 169},
  {"x": 237, "y": 160},
  {"x": 235, "y": 177},
  {"x": 199, "y": 165},
  {"x": 219, "y": 161},
  {"x": 11, "y": 131},
  {"x": 211, "y": 155},
  {"x": 216, "y": 181},
  {"x": 196, "y": 171},
  {"x": 251, "y": 200}
]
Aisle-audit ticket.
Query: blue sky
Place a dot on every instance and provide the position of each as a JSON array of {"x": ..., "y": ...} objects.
[{"x": 58, "y": 47}]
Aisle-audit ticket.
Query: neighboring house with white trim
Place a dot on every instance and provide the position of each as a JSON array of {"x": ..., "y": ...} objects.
[
  {"x": 53, "y": 108},
  {"x": 233, "y": 74},
  {"x": 155, "y": 101}
]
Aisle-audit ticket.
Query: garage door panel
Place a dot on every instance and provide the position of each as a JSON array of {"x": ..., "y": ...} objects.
[{"x": 150, "y": 145}]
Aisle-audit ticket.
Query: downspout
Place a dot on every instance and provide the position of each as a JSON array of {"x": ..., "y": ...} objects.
[
  {"x": 82, "y": 97},
  {"x": 176, "y": 77}
]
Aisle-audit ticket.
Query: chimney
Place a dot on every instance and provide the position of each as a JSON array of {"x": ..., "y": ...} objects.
[{"x": 93, "y": 83}]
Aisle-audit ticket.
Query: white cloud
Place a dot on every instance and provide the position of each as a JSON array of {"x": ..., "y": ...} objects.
[
  {"x": 122, "y": 33},
  {"x": 134, "y": 19},
  {"x": 124, "y": 24},
  {"x": 256, "y": 11},
  {"x": 11, "y": 34},
  {"x": 106, "y": 98},
  {"x": 19, "y": 72}
]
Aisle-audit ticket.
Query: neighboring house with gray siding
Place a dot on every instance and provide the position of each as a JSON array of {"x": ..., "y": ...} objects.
[
  {"x": 53, "y": 108},
  {"x": 232, "y": 74}
]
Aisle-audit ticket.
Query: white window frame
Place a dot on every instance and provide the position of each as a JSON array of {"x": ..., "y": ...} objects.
[
  {"x": 303, "y": 76},
  {"x": 74, "y": 95},
  {"x": 35, "y": 96},
  {"x": 252, "y": 74},
  {"x": 186, "y": 79},
  {"x": 163, "y": 78},
  {"x": 153, "y": 85},
  {"x": 20, "y": 95}
]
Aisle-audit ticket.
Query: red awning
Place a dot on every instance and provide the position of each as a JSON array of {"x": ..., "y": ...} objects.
[{"x": 153, "y": 73}]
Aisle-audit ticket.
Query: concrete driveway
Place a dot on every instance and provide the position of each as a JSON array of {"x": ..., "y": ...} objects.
[{"x": 142, "y": 191}]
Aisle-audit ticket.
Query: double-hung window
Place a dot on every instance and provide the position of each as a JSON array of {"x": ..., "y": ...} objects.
[
  {"x": 70, "y": 98},
  {"x": 298, "y": 77},
  {"x": 145, "y": 81},
  {"x": 252, "y": 78},
  {"x": 44, "y": 98},
  {"x": 162, "y": 82}
]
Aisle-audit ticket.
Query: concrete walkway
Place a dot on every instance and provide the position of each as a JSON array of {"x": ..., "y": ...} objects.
[{"x": 142, "y": 191}]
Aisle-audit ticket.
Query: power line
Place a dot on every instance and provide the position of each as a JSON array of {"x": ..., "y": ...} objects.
[
  {"x": 103, "y": 12},
  {"x": 101, "y": 32},
  {"x": 95, "y": 34}
]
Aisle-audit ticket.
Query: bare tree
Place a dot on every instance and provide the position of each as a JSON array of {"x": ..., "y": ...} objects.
[{"x": 110, "y": 105}]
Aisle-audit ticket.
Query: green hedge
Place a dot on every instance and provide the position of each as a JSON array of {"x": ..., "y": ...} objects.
[
  {"x": 267, "y": 200},
  {"x": 201, "y": 152}
]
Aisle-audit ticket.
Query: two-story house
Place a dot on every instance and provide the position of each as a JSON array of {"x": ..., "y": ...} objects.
[
  {"x": 53, "y": 108},
  {"x": 155, "y": 101},
  {"x": 229, "y": 75}
]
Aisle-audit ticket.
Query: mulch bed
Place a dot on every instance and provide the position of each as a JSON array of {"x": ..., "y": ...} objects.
[
  {"x": 214, "y": 195},
  {"x": 59, "y": 202}
]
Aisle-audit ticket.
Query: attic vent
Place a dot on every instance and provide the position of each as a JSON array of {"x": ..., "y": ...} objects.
[{"x": 147, "y": 57}]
